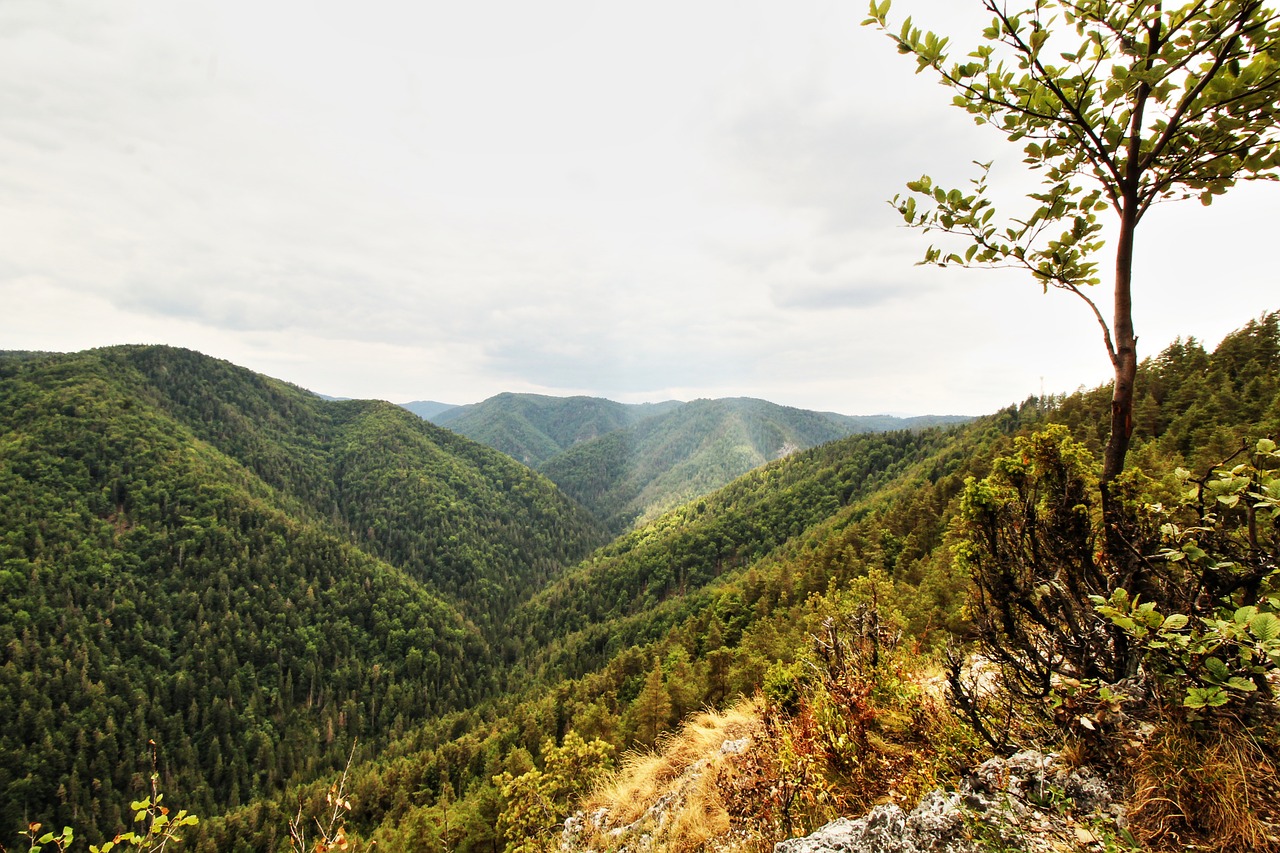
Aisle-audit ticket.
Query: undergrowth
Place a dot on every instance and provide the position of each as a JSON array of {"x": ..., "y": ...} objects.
[
  {"x": 869, "y": 725},
  {"x": 859, "y": 721},
  {"x": 1193, "y": 786}
]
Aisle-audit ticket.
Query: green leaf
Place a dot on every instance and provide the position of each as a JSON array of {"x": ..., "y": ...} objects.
[
  {"x": 1217, "y": 669},
  {"x": 1205, "y": 697},
  {"x": 1266, "y": 627}
]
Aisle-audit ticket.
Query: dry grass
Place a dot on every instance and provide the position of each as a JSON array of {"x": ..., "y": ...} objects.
[
  {"x": 1214, "y": 789},
  {"x": 675, "y": 793},
  {"x": 875, "y": 736}
]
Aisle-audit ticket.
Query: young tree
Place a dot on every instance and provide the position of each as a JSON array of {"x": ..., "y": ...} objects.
[
  {"x": 651, "y": 711},
  {"x": 1118, "y": 104}
]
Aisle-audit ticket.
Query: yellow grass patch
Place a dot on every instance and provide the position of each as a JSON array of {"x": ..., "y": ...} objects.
[
  {"x": 1216, "y": 787},
  {"x": 674, "y": 794}
]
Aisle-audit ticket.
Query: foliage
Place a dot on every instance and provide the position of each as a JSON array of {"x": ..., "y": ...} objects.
[
  {"x": 659, "y": 463},
  {"x": 158, "y": 828},
  {"x": 538, "y": 800},
  {"x": 198, "y": 555},
  {"x": 1140, "y": 102},
  {"x": 1223, "y": 638},
  {"x": 892, "y": 500},
  {"x": 864, "y": 729},
  {"x": 1119, "y": 106},
  {"x": 1060, "y": 620},
  {"x": 699, "y": 607},
  {"x": 478, "y": 527},
  {"x": 330, "y": 829},
  {"x": 633, "y": 462},
  {"x": 534, "y": 428},
  {"x": 1026, "y": 538},
  {"x": 675, "y": 556}
]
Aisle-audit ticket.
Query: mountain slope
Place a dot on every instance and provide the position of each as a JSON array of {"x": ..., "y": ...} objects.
[
  {"x": 248, "y": 575},
  {"x": 719, "y": 598},
  {"x": 632, "y": 462},
  {"x": 452, "y": 513},
  {"x": 534, "y": 428},
  {"x": 640, "y": 472},
  {"x": 710, "y": 601},
  {"x": 427, "y": 409}
]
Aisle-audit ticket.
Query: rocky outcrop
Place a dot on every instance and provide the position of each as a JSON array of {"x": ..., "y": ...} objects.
[{"x": 1027, "y": 802}]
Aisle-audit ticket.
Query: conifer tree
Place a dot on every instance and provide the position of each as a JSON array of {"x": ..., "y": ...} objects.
[{"x": 652, "y": 709}]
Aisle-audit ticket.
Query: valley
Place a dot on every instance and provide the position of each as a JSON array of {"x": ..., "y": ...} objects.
[{"x": 268, "y": 585}]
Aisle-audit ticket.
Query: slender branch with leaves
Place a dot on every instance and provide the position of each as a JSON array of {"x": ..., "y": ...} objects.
[
  {"x": 1118, "y": 106},
  {"x": 331, "y": 826},
  {"x": 158, "y": 826}
]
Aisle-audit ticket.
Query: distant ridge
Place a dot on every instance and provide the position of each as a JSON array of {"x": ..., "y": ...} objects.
[
  {"x": 533, "y": 428},
  {"x": 629, "y": 462},
  {"x": 428, "y": 410}
]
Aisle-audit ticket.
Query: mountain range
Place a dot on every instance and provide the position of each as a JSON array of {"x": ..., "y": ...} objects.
[
  {"x": 631, "y": 462},
  {"x": 250, "y": 588}
]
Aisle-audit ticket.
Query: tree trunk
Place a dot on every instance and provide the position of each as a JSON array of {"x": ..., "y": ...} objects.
[
  {"x": 1124, "y": 359},
  {"x": 1125, "y": 356}
]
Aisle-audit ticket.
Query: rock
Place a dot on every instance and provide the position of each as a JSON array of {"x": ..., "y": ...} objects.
[
  {"x": 935, "y": 825},
  {"x": 835, "y": 836},
  {"x": 1003, "y": 800}
]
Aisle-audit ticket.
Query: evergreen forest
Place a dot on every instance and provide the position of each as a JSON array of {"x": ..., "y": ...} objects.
[{"x": 264, "y": 597}]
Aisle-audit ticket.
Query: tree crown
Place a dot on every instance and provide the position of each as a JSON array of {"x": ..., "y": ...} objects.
[{"x": 1117, "y": 104}]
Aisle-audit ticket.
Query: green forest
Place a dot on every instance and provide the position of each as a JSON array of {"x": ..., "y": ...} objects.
[
  {"x": 629, "y": 463},
  {"x": 257, "y": 590}
]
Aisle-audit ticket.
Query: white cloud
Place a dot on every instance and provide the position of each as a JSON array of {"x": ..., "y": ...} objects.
[{"x": 412, "y": 200}]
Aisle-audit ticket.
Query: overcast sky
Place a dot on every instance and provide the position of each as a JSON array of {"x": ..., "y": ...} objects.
[{"x": 635, "y": 200}]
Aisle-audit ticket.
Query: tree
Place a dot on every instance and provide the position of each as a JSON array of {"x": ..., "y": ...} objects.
[
  {"x": 651, "y": 712},
  {"x": 1119, "y": 105},
  {"x": 537, "y": 801}
]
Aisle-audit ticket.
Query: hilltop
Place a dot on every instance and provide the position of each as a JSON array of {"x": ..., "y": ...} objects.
[{"x": 631, "y": 462}]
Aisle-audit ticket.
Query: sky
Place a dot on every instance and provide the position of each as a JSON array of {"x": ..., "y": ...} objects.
[{"x": 413, "y": 199}]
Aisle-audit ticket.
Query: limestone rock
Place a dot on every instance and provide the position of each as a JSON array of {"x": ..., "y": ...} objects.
[
  {"x": 936, "y": 824},
  {"x": 1025, "y": 802}
]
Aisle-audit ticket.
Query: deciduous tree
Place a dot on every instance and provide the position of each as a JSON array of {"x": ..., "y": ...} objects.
[{"x": 1118, "y": 105}]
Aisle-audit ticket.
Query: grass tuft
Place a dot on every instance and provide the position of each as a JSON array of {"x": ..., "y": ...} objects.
[{"x": 1215, "y": 788}]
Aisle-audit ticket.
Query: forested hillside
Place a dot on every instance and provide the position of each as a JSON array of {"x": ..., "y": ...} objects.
[
  {"x": 533, "y": 428},
  {"x": 147, "y": 531},
  {"x": 246, "y": 574},
  {"x": 633, "y": 462},
  {"x": 642, "y": 471},
  {"x": 718, "y": 598}
]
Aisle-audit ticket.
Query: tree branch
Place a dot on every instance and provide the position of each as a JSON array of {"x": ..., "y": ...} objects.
[
  {"x": 1175, "y": 121},
  {"x": 1102, "y": 322}
]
